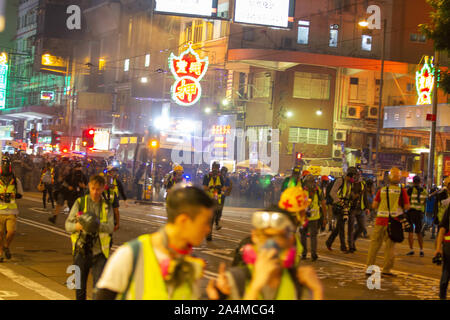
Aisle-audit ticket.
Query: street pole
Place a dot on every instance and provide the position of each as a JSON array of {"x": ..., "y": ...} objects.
[
  {"x": 433, "y": 123},
  {"x": 380, "y": 102}
]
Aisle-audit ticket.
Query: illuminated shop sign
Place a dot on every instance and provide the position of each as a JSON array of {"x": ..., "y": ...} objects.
[
  {"x": 3, "y": 78},
  {"x": 188, "y": 69},
  {"x": 48, "y": 95},
  {"x": 201, "y": 8},
  {"x": 425, "y": 82},
  {"x": 275, "y": 13}
]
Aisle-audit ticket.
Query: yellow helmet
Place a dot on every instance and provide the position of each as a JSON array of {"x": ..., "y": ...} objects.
[
  {"x": 395, "y": 174},
  {"x": 294, "y": 199},
  {"x": 446, "y": 181},
  {"x": 178, "y": 168}
]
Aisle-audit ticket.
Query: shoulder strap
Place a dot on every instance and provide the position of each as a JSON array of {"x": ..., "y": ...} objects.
[
  {"x": 81, "y": 203},
  {"x": 388, "y": 202},
  {"x": 135, "y": 247}
]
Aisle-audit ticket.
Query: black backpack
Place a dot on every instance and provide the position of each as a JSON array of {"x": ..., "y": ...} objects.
[{"x": 328, "y": 197}]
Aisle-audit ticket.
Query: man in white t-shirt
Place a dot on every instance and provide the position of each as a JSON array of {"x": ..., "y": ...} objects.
[{"x": 153, "y": 266}]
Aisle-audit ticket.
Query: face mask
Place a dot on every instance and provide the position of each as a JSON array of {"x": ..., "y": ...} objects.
[{"x": 287, "y": 257}]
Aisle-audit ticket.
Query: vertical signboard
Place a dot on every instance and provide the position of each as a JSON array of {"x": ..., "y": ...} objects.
[{"x": 3, "y": 78}]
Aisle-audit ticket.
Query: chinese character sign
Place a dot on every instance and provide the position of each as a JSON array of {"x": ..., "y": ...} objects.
[
  {"x": 425, "y": 82},
  {"x": 188, "y": 69},
  {"x": 3, "y": 78}
]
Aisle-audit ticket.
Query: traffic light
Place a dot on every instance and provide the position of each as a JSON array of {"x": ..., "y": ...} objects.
[
  {"x": 153, "y": 144},
  {"x": 88, "y": 138},
  {"x": 56, "y": 138},
  {"x": 298, "y": 158},
  {"x": 33, "y": 136}
]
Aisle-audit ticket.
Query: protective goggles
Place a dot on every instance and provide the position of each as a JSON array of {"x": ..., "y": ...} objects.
[{"x": 267, "y": 219}]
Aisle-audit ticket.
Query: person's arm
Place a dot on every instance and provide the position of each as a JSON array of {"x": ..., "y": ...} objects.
[
  {"x": 334, "y": 190},
  {"x": 308, "y": 277},
  {"x": 121, "y": 190},
  {"x": 108, "y": 227},
  {"x": 443, "y": 229},
  {"x": 377, "y": 200},
  {"x": 71, "y": 220},
  {"x": 19, "y": 191},
  {"x": 406, "y": 204}
]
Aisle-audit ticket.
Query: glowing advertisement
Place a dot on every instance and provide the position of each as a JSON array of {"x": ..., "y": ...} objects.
[
  {"x": 425, "y": 82},
  {"x": 202, "y": 8},
  {"x": 275, "y": 13},
  {"x": 3, "y": 78},
  {"x": 188, "y": 69},
  {"x": 101, "y": 140}
]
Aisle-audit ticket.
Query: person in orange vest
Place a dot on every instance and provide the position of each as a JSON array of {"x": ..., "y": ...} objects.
[{"x": 442, "y": 253}]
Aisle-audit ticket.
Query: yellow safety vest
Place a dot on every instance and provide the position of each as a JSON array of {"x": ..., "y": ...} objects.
[
  {"x": 394, "y": 196},
  {"x": 147, "y": 282},
  {"x": 105, "y": 238},
  {"x": 213, "y": 183},
  {"x": 420, "y": 206},
  {"x": 441, "y": 210},
  {"x": 314, "y": 208},
  {"x": 286, "y": 290},
  {"x": 10, "y": 188},
  {"x": 344, "y": 193}
]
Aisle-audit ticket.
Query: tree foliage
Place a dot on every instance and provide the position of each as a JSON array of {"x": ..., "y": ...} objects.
[{"x": 439, "y": 31}]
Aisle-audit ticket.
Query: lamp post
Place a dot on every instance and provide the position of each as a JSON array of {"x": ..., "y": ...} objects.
[{"x": 433, "y": 123}]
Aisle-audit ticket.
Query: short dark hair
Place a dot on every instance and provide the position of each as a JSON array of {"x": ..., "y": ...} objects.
[
  {"x": 97, "y": 179},
  {"x": 186, "y": 200}
]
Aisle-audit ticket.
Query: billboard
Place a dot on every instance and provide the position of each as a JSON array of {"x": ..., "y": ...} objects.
[
  {"x": 271, "y": 13},
  {"x": 200, "y": 8}
]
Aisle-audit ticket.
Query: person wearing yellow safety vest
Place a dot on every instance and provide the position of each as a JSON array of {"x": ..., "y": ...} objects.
[
  {"x": 10, "y": 190},
  {"x": 214, "y": 185},
  {"x": 313, "y": 214},
  {"x": 443, "y": 252},
  {"x": 418, "y": 198},
  {"x": 159, "y": 266},
  {"x": 341, "y": 195},
  {"x": 48, "y": 179},
  {"x": 443, "y": 200},
  {"x": 358, "y": 211},
  {"x": 91, "y": 224},
  {"x": 113, "y": 191},
  {"x": 390, "y": 201},
  {"x": 175, "y": 177},
  {"x": 271, "y": 271}
]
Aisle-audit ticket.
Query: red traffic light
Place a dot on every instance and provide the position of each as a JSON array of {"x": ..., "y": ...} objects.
[{"x": 299, "y": 156}]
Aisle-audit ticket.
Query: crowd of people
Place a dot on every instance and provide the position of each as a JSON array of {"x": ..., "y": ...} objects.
[{"x": 266, "y": 265}]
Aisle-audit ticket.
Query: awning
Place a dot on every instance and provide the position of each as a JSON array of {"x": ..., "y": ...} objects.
[{"x": 30, "y": 113}]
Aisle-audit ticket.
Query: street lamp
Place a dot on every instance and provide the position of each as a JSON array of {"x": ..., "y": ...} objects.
[
  {"x": 365, "y": 24},
  {"x": 207, "y": 110},
  {"x": 319, "y": 112},
  {"x": 289, "y": 114},
  {"x": 225, "y": 102}
]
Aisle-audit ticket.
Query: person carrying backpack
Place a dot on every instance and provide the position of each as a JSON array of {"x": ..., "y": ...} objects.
[
  {"x": 160, "y": 266},
  {"x": 391, "y": 203},
  {"x": 418, "y": 196}
]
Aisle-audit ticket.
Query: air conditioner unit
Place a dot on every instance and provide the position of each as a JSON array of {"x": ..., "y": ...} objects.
[
  {"x": 353, "y": 112},
  {"x": 340, "y": 135},
  {"x": 337, "y": 151},
  {"x": 372, "y": 113}
]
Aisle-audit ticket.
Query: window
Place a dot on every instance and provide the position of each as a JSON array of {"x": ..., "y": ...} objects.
[
  {"x": 188, "y": 32},
  {"x": 358, "y": 89},
  {"x": 366, "y": 43},
  {"x": 126, "y": 65},
  {"x": 261, "y": 85},
  {"x": 411, "y": 141},
  {"x": 311, "y": 86},
  {"x": 308, "y": 136},
  {"x": 334, "y": 33},
  {"x": 130, "y": 31},
  {"x": 258, "y": 133},
  {"x": 414, "y": 37},
  {"x": 209, "y": 30},
  {"x": 447, "y": 144},
  {"x": 198, "y": 32},
  {"x": 147, "y": 60},
  {"x": 303, "y": 32}
]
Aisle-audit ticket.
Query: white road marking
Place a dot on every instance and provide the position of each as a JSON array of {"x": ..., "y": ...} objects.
[{"x": 31, "y": 285}]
